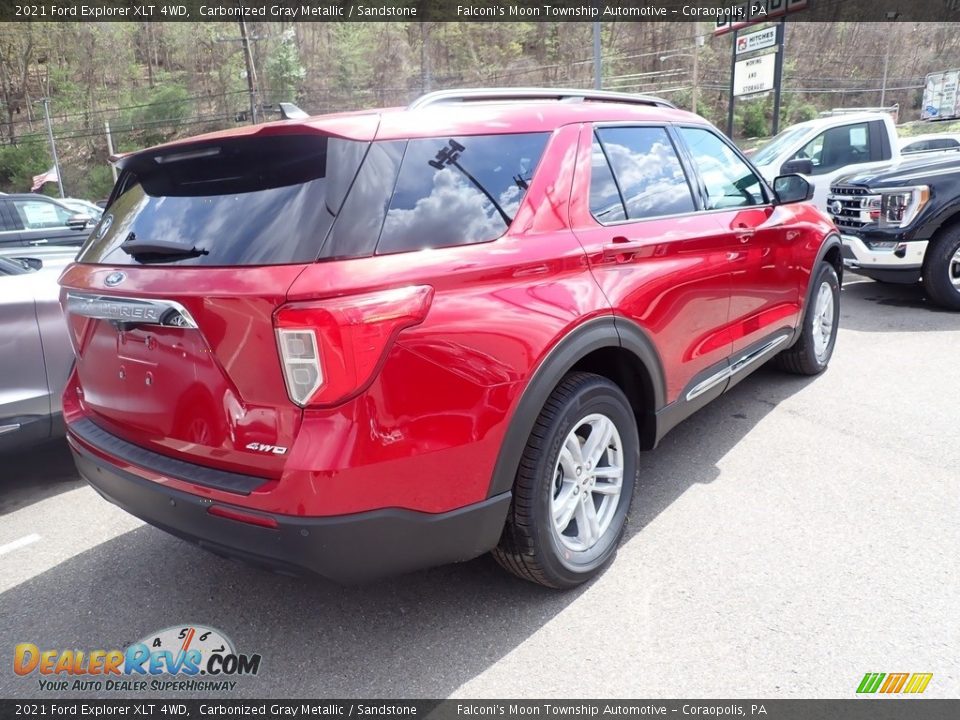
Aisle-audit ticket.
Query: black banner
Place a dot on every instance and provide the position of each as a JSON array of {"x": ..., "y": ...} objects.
[
  {"x": 718, "y": 11},
  {"x": 852, "y": 709}
]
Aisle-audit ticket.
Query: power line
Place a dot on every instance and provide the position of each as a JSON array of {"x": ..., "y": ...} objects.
[
  {"x": 133, "y": 107},
  {"x": 101, "y": 133}
]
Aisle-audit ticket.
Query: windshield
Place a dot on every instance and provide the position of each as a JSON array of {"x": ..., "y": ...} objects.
[{"x": 769, "y": 152}]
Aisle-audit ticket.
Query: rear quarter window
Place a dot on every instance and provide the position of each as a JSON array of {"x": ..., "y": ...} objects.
[{"x": 459, "y": 191}]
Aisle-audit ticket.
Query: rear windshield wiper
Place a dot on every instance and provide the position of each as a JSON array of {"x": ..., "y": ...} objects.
[{"x": 160, "y": 249}]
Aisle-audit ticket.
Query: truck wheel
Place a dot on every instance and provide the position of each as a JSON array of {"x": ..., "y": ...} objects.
[
  {"x": 574, "y": 485},
  {"x": 811, "y": 354},
  {"x": 941, "y": 269}
]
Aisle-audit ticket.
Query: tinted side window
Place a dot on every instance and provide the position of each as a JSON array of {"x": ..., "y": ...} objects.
[
  {"x": 729, "y": 180},
  {"x": 458, "y": 191},
  {"x": 606, "y": 204},
  {"x": 648, "y": 171},
  {"x": 837, "y": 147},
  {"x": 357, "y": 228},
  {"x": 40, "y": 214}
]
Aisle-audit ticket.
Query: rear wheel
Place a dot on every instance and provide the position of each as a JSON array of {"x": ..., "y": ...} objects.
[
  {"x": 574, "y": 485},
  {"x": 811, "y": 354},
  {"x": 941, "y": 269}
]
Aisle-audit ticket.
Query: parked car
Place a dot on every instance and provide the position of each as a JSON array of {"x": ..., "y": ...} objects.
[
  {"x": 936, "y": 142},
  {"x": 361, "y": 344},
  {"x": 35, "y": 353},
  {"x": 30, "y": 219},
  {"x": 83, "y": 207},
  {"x": 827, "y": 148},
  {"x": 902, "y": 224}
]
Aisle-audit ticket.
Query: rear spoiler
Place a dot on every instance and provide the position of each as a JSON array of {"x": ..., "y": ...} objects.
[{"x": 353, "y": 126}]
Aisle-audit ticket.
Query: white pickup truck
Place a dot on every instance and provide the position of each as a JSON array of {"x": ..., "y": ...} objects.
[{"x": 826, "y": 148}]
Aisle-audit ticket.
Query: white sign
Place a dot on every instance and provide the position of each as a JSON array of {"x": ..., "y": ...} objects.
[
  {"x": 754, "y": 75},
  {"x": 757, "y": 40},
  {"x": 941, "y": 98}
]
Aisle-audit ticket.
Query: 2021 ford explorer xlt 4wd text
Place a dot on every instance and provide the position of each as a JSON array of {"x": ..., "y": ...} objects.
[{"x": 366, "y": 343}]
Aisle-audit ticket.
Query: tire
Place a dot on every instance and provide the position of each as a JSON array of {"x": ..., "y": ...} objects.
[
  {"x": 532, "y": 546},
  {"x": 811, "y": 353},
  {"x": 941, "y": 269}
]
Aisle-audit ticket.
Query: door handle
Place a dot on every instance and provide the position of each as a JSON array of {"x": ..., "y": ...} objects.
[
  {"x": 620, "y": 249},
  {"x": 744, "y": 232}
]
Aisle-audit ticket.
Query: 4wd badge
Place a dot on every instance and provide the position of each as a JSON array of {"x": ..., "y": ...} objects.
[{"x": 262, "y": 447}]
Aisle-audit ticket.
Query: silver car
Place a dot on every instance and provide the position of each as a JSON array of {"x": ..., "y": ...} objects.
[{"x": 35, "y": 351}]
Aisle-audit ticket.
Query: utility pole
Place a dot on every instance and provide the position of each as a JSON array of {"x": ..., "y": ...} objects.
[
  {"x": 733, "y": 70},
  {"x": 697, "y": 43},
  {"x": 597, "y": 70},
  {"x": 113, "y": 168},
  {"x": 53, "y": 145},
  {"x": 426, "y": 76},
  {"x": 251, "y": 71},
  {"x": 778, "y": 72},
  {"x": 886, "y": 63}
]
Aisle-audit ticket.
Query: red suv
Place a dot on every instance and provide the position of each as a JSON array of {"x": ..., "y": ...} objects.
[{"x": 371, "y": 342}]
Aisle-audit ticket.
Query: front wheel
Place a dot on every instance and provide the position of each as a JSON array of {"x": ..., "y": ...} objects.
[
  {"x": 811, "y": 354},
  {"x": 941, "y": 269},
  {"x": 574, "y": 485}
]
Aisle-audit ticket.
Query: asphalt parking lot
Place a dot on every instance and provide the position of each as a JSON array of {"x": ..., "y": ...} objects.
[{"x": 792, "y": 536}]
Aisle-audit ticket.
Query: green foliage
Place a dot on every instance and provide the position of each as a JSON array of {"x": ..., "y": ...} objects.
[
  {"x": 750, "y": 116},
  {"x": 284, "y": 71},
  {"x": 93, "y": 184},
  {"x": 19, "y": 163},
  {"x": 349, "y": 42},
  {"x": 802, "y": 113},
  {"x": 160, "y": 118}
]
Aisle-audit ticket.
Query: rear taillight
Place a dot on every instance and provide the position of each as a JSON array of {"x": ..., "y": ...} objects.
[{"x": 331, "y": 349}]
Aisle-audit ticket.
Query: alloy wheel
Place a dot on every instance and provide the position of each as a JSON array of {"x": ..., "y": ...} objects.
[
  {"x": 588, "y": 480},
  {"x": 823, "y": 321}
]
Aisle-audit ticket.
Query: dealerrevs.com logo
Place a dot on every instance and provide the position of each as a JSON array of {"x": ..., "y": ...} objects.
[
  {"x": 894, "y": 683},
  {"x": 179, "y": 658}
]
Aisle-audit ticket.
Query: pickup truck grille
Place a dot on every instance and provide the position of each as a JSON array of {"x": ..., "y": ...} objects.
[{"x": 849, "y": 206}]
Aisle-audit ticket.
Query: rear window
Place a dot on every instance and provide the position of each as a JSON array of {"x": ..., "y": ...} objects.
[{"x": 266, "y": 201}]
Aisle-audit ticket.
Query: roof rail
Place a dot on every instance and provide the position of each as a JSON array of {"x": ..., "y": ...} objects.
[{"x": 524, "y": 93}]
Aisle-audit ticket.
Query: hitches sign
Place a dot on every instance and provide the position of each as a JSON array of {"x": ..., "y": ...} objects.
[
  {"x": 757, "y": 40},
  {"x": 754, "y": 75}
]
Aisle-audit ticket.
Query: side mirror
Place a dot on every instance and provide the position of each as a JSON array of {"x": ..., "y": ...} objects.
[
  {"x": 792, "y": 167},
  {"x": 791, "y": 189},
  {"x": 78, "y": 222}
]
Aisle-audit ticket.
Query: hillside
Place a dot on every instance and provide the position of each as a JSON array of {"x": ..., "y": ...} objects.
[{"x": 157, "y": 81}]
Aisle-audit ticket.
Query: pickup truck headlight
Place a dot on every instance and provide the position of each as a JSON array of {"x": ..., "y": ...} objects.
[{"x": 899, "y": 207}]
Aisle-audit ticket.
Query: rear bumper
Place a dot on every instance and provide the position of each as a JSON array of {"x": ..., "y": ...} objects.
[{"x": 347, "y": 549}]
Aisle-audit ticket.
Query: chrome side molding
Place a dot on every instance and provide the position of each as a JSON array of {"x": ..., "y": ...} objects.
[
  {"x": 738, "y": 366},
  {"x": 134, "y": 311}
]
